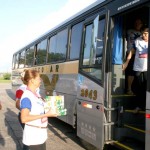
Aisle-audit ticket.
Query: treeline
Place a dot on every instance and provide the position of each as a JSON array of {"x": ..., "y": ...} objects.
[{"x": 6, "y": 76}]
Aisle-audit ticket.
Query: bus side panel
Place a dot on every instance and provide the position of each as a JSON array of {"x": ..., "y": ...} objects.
[
  {"x": 89, "y": 123},
  {"x": 62, "y": 84},
  {"x": 147, "y": 142},
  {"x": 90, "y": 112}
]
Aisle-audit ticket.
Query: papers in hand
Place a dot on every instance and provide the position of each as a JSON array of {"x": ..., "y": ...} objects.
[{"x": 55, "y": 104}]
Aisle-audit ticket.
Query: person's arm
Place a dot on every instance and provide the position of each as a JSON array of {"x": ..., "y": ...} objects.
[
  {"x": 124, "y": 66},
  {"x": 18, "y": 104},
  {"x": 18, "y": 97},
  {"x": 25, "y": 112},
  {"x": 26, "y": 116}
]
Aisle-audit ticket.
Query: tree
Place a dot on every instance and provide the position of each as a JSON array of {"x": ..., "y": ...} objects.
[{"x": 7, "y": 76}]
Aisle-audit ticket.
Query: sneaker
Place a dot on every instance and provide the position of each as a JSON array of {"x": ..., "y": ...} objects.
[
  {"x": 136, "y": 110},
  {"x": 129, "y": 92}
]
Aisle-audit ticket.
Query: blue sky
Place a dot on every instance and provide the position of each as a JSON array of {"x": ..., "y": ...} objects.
[{"x": 24, "y": 20}]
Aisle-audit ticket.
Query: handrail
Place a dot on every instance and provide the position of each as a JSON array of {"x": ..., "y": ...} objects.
[
  {"x": 109, "y": 109},
  {"x": 133, "y": 111},
  {"x": 110, "y": 123},
  {"x": 134, "y": 128},
  {"x": 122, "y": 145}
]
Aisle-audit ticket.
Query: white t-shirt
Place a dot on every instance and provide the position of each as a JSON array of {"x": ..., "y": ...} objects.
[
  {"x": 140, "y": 62},
  {"x": 33, "y": 135}
]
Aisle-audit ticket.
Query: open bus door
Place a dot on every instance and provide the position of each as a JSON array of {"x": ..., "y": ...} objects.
[
  {"x": 147, "y": 131},
  {"x": 91, "y": 81},
  {"x": 129, "y": 129}
]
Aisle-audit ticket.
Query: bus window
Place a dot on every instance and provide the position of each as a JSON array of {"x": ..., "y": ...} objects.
[
  {"x": 13, "y": 61},
  {"x": 76, "y": 34},
  {"x": 61, "y": 45},
  {"x": 58, "y": 46},
  {"x": 22, "y": 59},
  {"x": 52, "y": 48},
  {"x": 93, "y": 48},
  {"x": 100, "y": 42},
  {"x": 87, "y": 45},
  {"x": 30, "y": 56},
  {"x": 17, "y": 60},
  {"x": 41, "y": 52}
]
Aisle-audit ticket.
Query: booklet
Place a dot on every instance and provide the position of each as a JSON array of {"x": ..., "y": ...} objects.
[{"x": 56, "y": 103}]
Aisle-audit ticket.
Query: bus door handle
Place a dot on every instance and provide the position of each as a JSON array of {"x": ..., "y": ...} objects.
[
  {"x": 79, "y": 103},
  {"x": 98, "y": 107}
]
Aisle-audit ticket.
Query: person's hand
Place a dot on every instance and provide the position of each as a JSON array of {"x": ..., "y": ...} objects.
[
  {"x": 124, "y": 66},
  {"x": 51, "y": 113}
]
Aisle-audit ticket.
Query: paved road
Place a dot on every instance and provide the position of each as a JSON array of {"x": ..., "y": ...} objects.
[{"x": 61, "y": 136}]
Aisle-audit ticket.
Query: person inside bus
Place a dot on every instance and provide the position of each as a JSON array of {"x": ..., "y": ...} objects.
[
  {"x": 132, "y": 35},
  {"x": 140, "y": 65},
  {"x": 33, "y": 113}
]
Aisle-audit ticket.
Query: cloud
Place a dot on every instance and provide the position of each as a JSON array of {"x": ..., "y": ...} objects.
[{"x": 32, "y": 31}]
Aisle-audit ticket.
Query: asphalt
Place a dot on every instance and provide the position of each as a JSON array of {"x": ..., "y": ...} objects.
[{"x": 10, "y": 129}]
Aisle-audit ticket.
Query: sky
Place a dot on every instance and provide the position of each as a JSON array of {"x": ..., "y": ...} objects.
[{"x": 22, "y": 21}]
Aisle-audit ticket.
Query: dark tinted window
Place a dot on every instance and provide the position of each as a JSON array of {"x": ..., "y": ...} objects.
[
  {"x": 22, "y": 59},
  {"x": 30, "y": 57},
  {"x": 52, "y": 49},
  {"x": 58, "y": 46},
  {"x": 75, "y": 43},
  {"x": 87, "y": 45},
  {"x": 40, "y": 57},
  {"x": 93, "y": 48},
  {"x": 61, "y": 46},
  {"x": 16, "y": 61}
]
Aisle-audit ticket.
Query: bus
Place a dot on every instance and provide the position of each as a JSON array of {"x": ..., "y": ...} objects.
[{"x": 81, "y": 59}]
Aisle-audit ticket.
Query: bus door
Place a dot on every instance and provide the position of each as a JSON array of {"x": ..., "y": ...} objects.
[
  {"x": 147, "y": 131},
  {"x": 91, "y": 81}
]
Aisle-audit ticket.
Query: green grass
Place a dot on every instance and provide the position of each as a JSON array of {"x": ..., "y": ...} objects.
[{"x": 5, "y": 81}]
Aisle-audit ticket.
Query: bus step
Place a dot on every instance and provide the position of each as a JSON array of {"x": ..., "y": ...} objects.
[
  {"x": 121, "y": 145},
  {"x": 134, "y": 128},
  {"x": 134, "y": 111},
  {"x": 122, "y": 95},
  {"x": 129, "y": 144},
  {"x": 133, "y": 118}
]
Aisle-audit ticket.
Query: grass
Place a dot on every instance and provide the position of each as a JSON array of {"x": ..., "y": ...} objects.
[{"x": 5, "y": 81}]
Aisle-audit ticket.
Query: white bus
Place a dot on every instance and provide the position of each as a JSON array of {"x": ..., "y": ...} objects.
[{"x": 82, "y": 59}]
